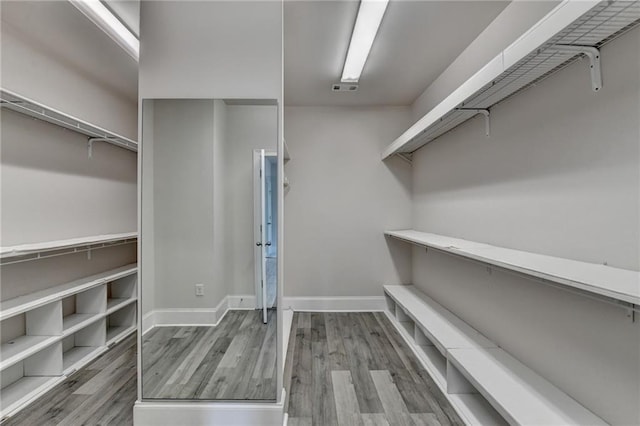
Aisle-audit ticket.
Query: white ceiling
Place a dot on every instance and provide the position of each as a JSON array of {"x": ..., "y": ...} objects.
[
  {"x": 416, "y": 42},
  {"x": 61, "y": 31}
]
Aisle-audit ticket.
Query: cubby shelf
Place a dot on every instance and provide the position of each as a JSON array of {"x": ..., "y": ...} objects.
[
  {"x": 52, "y": 333},
  {"x": 572, "y": 29},
  {"x": 23, "y": 105},
  {"x": 621, "y": 285},
  {"x": 35, "y": 251},
  {"x": 484, "y": 383}
]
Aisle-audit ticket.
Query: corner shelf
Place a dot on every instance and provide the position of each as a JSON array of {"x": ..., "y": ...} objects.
[
  {"x": 34, "y": 251},
  {"x": 23, "y": 105},
  {"x": 619, "y": 285},
  {"x": 570, "y": 30},
  {"x": 51, "y": 333}
]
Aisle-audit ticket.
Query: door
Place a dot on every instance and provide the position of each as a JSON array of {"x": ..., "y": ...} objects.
[{"x": 265, "y": 212}]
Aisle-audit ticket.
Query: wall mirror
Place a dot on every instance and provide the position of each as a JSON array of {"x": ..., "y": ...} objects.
[{"x": 209, "y": 249}]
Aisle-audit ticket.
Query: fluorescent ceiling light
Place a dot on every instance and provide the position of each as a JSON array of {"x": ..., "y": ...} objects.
[
  {"x": 368, "y": 21},
  {"x": 103, "y": 18}
]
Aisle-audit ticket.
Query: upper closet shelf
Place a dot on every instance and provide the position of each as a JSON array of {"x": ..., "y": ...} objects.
[
  {"x": 34, "y": 109},
  {"x": 572, "y": 29},
  {"x": 614, "y": 283},
  {"x": 35, "y": 251}
]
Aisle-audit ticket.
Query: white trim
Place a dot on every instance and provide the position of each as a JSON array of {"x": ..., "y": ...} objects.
[
  {"x": 201, "y": 413},
  {"x": 242, "y": 301},
  {"x": 287, "y": 320},
  {"x": 196, "y": 316},
  {"x": 337, "y": 304}
]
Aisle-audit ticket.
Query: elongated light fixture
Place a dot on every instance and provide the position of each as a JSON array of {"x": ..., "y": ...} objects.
[
  {"x": 368, "y": 21},
  {"x": 107, "y": 22}
]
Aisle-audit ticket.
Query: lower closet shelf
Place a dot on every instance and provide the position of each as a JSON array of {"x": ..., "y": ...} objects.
[
  {"x": 77, "y": 354},
  {"x": 483, "y": 382},
  {"x": 74, "y": 322},
  {"x": 25, "y": 388},
  {"x": 116, "y": 332}
]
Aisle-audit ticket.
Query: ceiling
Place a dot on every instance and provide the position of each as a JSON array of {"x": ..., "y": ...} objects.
[{"x": 416, "y": 41}]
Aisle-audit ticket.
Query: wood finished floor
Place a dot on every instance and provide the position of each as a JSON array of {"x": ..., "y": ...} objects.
[
  {"x": 236, "y": 360},
  {"x": 355, "y": 369},
  {"x": 101, "y": 393}
]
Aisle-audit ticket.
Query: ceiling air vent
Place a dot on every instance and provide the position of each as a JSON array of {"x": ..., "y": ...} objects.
[{"x": 344, "y": 87}]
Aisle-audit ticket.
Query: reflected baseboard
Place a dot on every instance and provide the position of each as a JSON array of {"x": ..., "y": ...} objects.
[
  {"x": 176, "y": 317},
  {"x": 335, "y": 304}
]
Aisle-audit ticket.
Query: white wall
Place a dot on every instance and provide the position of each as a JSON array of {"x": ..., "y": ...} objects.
[
  {"x": 53, "y": 54},
  {"x": 560, "y": 176},
  {"x": 248, "y": 128},
  {"x": 340, "y": 200},
  {"x": 512, "y": 22}
]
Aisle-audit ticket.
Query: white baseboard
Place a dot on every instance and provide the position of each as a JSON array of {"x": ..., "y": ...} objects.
[
  {"x": 207, "y": 413},
  {"x": 335, "y": 304},
  {"x": 186, "y": 316},
  {"x": 242, "y": 301}
]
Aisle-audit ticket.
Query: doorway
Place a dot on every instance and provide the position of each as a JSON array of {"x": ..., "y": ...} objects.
[{"x": 265, "y": 174}]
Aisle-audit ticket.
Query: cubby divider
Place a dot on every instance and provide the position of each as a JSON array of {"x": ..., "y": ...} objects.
[
  {"x": 119, "y": 322},
  {"x": 81, "y": 345},
  {"x": 83, "y": 308}
]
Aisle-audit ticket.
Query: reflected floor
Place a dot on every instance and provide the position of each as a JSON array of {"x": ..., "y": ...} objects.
[{"x": 235, "y": 360}]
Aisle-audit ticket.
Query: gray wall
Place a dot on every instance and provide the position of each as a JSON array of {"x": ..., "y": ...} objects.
[
  {"x": 340, "y": 200},
  {"x": 183, "y": 146},
  {"x": 53, "y": 54},
  {"x": 248, "y": 128},
  {"x": 559, "y": 176}
]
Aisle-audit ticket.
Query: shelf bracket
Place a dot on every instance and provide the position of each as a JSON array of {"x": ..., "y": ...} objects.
[
  {"x": 487, "y": 117},
  {"x": 408, "y": 157},
  {"x": 590, "y": 52},
  {"x": 90, "y": 142}
]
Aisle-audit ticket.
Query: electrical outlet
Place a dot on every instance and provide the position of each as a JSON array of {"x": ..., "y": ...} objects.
[{"x": 199, "y": 289}]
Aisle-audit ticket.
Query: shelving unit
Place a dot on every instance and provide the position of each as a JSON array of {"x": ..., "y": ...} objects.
[
  {"x": 573, "y": 29},
  {"x": 51, "y": 333},
  {"x": 484, "y": 383},
  {"x": 34, "y": 251},
  {"x": 621, "y": 286},
  {"x": 23, "y": 105}
]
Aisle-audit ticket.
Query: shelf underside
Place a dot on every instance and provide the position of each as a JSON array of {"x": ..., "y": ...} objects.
[
  {"x": 33, "y": 109},
  {"x": 599, "y": 26}
]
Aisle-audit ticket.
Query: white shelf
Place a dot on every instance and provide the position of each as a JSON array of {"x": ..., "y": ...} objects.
[
  {"x": 484, "y": 383},
  {"x": 22, "y": 347},
  {"x": 115, "y": 333},
  {"x": 18, "y": 305},
  {"x": 508, "y": 385},
  {"x": 78, "y": 355},
  {"x": 74, "y": 322},
  {"x": 34, "y": 251},
  {"x": 116, "y": 304},
  {"x": 525, "y": 62},
  {"x": 21, "y": 392},
  {"x": 614, "y": 283},
  {"x": 21, "y": 104}
]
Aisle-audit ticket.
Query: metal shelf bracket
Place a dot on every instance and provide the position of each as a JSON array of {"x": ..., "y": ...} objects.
[
  {"x": 90, "y": 142},
  {"x": 590, "y": 52},
  {"x": 487, "y": 117},
  {"x": 408, "y": 157}
]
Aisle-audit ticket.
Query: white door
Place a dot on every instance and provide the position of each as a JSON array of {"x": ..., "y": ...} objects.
[{"x": 265, "y": 250}]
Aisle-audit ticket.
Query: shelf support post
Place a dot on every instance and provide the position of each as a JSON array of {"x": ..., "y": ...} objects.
[
  {"x": 90, "y": 142},
  {"x": 487, "y": 117},
  {"x": 590, "y": 52}
]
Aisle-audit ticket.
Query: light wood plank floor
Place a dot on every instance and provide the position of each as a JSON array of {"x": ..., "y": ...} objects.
[
  {"x": 101, "y": 393},
  {"x": 354, "y": 369},
  {"x": 236, "y": 360}
]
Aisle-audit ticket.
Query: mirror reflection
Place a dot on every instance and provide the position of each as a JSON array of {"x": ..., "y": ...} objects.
[{"x": 209, "y": 209}]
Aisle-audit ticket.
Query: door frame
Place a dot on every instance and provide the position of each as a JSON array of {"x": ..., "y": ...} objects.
[{"x": 257, "y": 220}]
